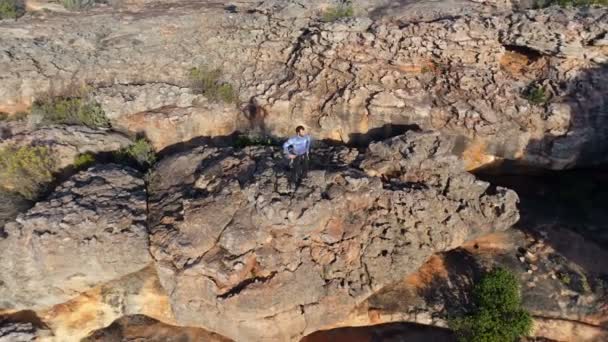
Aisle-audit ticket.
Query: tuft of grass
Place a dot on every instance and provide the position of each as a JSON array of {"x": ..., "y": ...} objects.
[
  {"x": 564, "y": 278},
  {"x": 206, "y": 81},
  {"x": 245, "y": 140},
  {"x": 26, "y": 170},
  {"x": 536, "y": 95},
  {"x": 71, "y": 111},
  {"x": 140, "y": 155},
  {"x": 84, "y": 160},
  {"x": 10, "y": 9},
  {"x": 343, "y": 10},
  {"x": 77, "y": 5},
  {"x": 498, "y": 314}
]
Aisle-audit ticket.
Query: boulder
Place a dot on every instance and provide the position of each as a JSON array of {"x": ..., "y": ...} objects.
[
  {"x": 90, "y": 230},
  {"x": 244, "y": 253}
]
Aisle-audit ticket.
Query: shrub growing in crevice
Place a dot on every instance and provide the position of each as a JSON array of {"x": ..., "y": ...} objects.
[
  {"x": 140, "y": 155},
  {"x": 11, "y": 9},
  {"x": 206, "y": 81},
  {"x": 536, "y": 95},
  {"x": 26, "y": 170},
  {"x": 498, "y": 315},
  {"x": 70, "y": 111},
  {"x": 84, "y": 160}
]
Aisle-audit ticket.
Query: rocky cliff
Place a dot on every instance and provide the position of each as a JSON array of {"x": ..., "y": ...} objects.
[
  {"x": 215, "y": 243},
  {"x": 348, "y": 80}
]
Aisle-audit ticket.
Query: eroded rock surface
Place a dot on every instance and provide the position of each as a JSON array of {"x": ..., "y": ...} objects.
[
  {"x": 90, "y": 230},
  {"x": 348, "y": 80},
  {"x": 245, "y": 254}
]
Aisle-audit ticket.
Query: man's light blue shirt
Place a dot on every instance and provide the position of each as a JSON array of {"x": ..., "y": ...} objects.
[{"x": 299, "y": 145}]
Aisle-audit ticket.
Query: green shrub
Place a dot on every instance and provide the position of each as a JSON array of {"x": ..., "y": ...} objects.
[
  {"x": 71, "y": 111},
  {"x": 498, "y": 315},
  {"x": 536, "y": 95},
  {"x": 77, "y": 5},
  {"x": 206, "y": 81},
  {"x": 244, "y": 140},
  {"x": 9, "y": 9},
  {"x": 140, "y": 154},
  {"x": 26, "y": 170},
  {"x": 343, "y": 10},
  {"x": 84, "y": 160}
]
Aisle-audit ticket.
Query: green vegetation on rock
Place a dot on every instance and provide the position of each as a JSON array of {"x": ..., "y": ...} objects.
[
  {"x": 140, "y": 154},
  {"x": 498, "y": 315},
  {"x": 9, "y": 9},
  {"x": 71, "y": 111},
  {"x": 536, "y": 95},
  {"x": 244, "y": 140},
  {"x": 26, "y": 170},
  {"x": 206, "y": 81},
  {"x": 343, "y": 10},
  {"x": 84, "y": 160}
]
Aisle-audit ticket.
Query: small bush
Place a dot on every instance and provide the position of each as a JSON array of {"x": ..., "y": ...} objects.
[
  {"x": 253, "y": 140},
  {"x": 140, "y": 154},
  {"x": 206, "y": 81},
  {"x": 536, "y": 95},
  {"x": 71, "y": 111},
  {"x": 26, "y": 170},
  {"x": 498, "y": 315},
  {"x": 84, "y": 160},
  {"x": 77, "y": 5},
  {"x": 343, "y": 10},
  {"x": 9, "y": 9}
]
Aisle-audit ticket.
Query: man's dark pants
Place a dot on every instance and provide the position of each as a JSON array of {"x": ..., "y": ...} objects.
[{"x": 299, "y": 168}]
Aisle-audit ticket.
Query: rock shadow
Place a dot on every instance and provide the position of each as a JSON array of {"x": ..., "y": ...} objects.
[
  {"x": 452, "y": 289},
  {"x": 390, "y": 332}
]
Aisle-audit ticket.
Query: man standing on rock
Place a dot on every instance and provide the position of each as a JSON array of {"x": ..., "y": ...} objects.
[{"x": 297, "y": 149}]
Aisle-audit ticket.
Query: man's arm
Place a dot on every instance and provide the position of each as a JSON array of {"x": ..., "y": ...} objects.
[{"x": 286, "y": 146}]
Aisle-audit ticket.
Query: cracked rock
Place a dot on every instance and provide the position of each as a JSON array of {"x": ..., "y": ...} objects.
[{"x": 242, "y": 257}]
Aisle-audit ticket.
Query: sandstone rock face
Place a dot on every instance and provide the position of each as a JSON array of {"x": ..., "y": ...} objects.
[
  {"x": 349, "y": 80},
  {"x": 64, "y": 142},
  {"x": 89, "y": 231},
  {"x": 244, "y": 253}
]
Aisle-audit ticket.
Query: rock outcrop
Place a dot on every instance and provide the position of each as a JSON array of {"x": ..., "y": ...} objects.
[
  {"x": 348, "y": 80},
  {"x": 64, "y": 142},
  {"x": 243, "y": 253},
  {"x": 90, "y": 230}
]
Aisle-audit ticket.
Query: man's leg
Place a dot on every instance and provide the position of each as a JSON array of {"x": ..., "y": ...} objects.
[{"x": 297, "y": 165}]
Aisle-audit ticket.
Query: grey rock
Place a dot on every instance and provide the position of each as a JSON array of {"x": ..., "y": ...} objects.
[
  {"x": 244, "y": 256},
  {"x": 17, "y": 332},
  {"x": 90, "y": 230}
]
